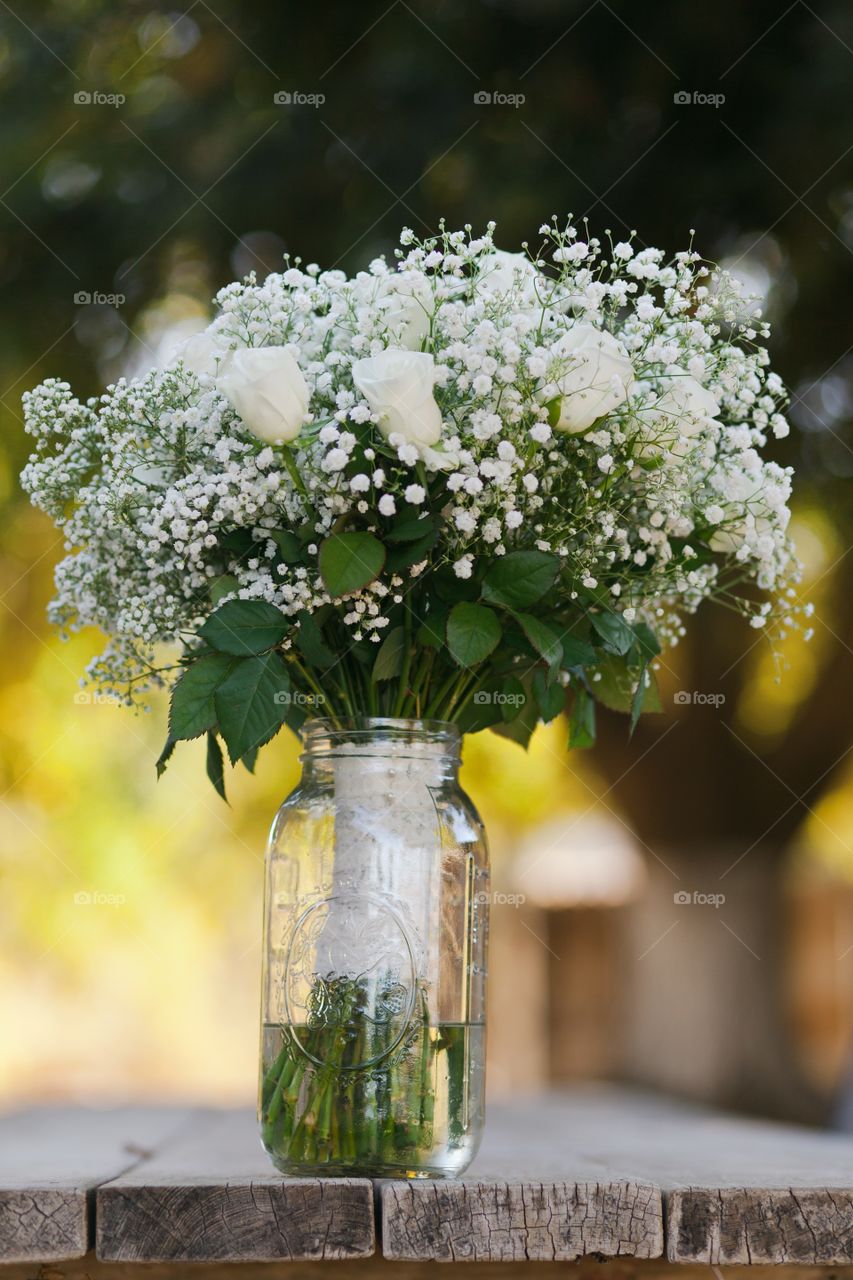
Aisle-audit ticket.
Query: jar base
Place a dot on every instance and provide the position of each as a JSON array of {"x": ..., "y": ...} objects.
[
  {"x": 415, "y": 1113},
  {"x": 397, "y": 1172}
]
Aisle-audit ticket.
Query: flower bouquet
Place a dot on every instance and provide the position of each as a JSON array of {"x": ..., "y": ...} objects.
[{"x": 476, "y": 488}]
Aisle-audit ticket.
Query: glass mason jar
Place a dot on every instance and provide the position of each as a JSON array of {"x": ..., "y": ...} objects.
[{"x": 376, "y": 913}]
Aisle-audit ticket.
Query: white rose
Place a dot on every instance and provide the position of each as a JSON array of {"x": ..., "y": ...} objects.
[
  {"x": 753, "y": 528},
  {"x": 730, "y": 539},
  {"x": 398, "y": 386},
  {"x": 685, "y": 402},
  {"x": 598, "y": 379},
  {"x": 202, "y": 355},
  {"x": 406, "y": 303},
  {"x": 499, "y": 272},
  {"x": 266, "y": 387},
  {"x": 681, "y": 411}
]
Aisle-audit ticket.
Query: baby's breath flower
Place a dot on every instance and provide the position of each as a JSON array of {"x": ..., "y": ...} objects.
[{"x": 658, "y": 499}]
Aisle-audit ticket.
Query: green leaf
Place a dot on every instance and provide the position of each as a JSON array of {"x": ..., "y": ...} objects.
[
  {"x": 297, "y": 714},
  {"x": 289, "y": 546},
  {"x": 644, "y": 650},
  {"x": 638, "y": 698},
  {"x": 497, "y": 700},
  {"x": 410, "y": 524},
  {"x": 520, "y": 728},
  {"x": 513, "y": 698},
  {"x": 545, "y": 641},
  {"x": 616, "y": 686},
  {"x": 165, "y": 756},
  {"x": 310, "y": 642},
  {"x": 646, "y": 644},
  {"x": 245, "y": 627},
  {"x": 473, "y": 632},
  {"x": 216, "y": 765},
  {"x": 554, "y": 408},
  {"x": 451, "y": 589},
  {"x": 364, "y": 652},
  {"x": 349, "y": 561},
  {"x": 192, "y": 711},
  {"x": 411, "y": 552},
  {"x": 432, "y": 631},
  {"x": 550, "y": 697},
  {"x": 483, "y": 710},
  {"x": 616, "y": 636},
  {"x": 224, "y": 585},
  {"x": 611, "y": 683},
  {"x": 582, "y": 720},
  {"x": 389, "y": 659},
  {"x": 516, "y": 645},
  {"x": 577, "y": 653},
  {"x": 521, "y": 578},
  {"x": 240, "y": 543},
  {"x": 252, "y": 704}
]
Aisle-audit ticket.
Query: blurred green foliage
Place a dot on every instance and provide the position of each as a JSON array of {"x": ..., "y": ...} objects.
[{"x": 200, "y": 175}]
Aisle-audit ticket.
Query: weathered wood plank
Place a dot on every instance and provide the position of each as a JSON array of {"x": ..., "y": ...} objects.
[
  {"x": 592, "y": 1173},
  {"x": 750, "y": 1225},
  {"x": 736, "y": 1191},
  {"x": 211, "y": 1195},
  {"x": 606, "y": 1172},
  {"x": 50, "y": 1160},
  {"x": 529, "y": 1195},
  {"x": 525, "y": 1221},
  {"x": 378, "y": 1268}
]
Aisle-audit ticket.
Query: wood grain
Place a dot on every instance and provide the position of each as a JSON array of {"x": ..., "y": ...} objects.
[
  {"x": 748, "y": 1225},
  {"x": 612, "y": 1173},
  {"x": 514, "y": 1222},
  {"x": 529, "y": 1195},
  {"x": 211, "y": 1195},
  {"x": 592, "y": 1173},
  {"x": 51, "y": 1159},
  {"x": 378, "y": 1268}
]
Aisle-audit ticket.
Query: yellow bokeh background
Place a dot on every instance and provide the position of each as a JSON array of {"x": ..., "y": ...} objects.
[{"x": 130, "y": 925}]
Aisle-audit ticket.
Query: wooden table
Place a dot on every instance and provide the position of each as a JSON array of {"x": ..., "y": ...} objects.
[{"x": 649, "y": 1184}]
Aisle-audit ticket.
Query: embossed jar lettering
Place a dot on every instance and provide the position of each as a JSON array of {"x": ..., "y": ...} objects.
[{"x": 349, "y": 969}]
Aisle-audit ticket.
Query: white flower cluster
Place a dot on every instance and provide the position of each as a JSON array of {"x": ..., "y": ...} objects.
[{"x": 595, "y": 401}]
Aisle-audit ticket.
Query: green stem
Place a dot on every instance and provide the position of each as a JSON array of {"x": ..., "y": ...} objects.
[
  {"x": 321, "y": 694},
  {"x": 466, "y": 679},
  {"x": 443, "y": 690},
  {"x": 407, "y": 663},
  {"x": 412, "y": 706},
  {"x": 349, "y": 695},
  {"x": 464, "y": 701},
  {"x": 343, "y": 1115},
  {"x": 290, "y": 463}
]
